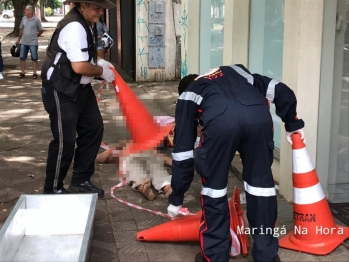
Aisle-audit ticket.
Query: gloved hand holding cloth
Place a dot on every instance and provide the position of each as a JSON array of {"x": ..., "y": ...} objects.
[
  {"x": 172, "y": 210},
  {"x": 300, "y": 131},
  {"x": 107, "y": 74}
]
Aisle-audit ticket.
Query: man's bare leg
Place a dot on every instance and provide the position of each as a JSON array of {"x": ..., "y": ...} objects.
[
  {"x": 167, "y": 190},
  {"x": 22, "y": 63},
  {"x": 105, "y": 157},
  {"x": 35, "y": 65}
]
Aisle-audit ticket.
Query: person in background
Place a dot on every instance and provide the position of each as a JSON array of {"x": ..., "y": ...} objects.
[
  {"x": 101, "y": 29},
  {"x": 232, "y": 106},
  {"x": 71, "y": 63},
  {"x": 1, "y": 62},
  {"x": 29, "y": 31}
]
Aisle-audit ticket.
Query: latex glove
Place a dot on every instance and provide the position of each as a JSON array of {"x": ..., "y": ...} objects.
[
  {"x": 107, "y": 75},
  {"x": 300, "y": 131},
  {"x": 172, "y": 210},
  {"x": 102, "y": 62}
]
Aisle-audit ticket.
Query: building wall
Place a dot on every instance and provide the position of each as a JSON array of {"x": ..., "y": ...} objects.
[
  {"x": 166, "y": 71},
  {"x": 236, "y": 37},
  {"x": 301, "y": 72},
  {"x": 190, "y": 38},
  {"x": 310, "y": 67}
]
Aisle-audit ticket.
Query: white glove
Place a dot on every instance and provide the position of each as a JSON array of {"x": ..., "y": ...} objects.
[
  {"x": 300, "y": 131},
  {"x": 107, "y": 75},
  {"x": 102, "y": 62},
  {"x": 172, "y": 210}
]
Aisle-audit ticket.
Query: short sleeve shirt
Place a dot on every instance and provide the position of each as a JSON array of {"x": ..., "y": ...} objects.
[
  {"x": 30, "y": 28},
  {"x": 72, "y": 39}
]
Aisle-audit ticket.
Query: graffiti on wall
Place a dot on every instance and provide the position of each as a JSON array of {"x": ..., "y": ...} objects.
[
  {"x": 143, "y": 38},
  {"x": 141, "y": 2},
  {"x": 184, "y": 66},
  {"x": 184, "y": 24}
]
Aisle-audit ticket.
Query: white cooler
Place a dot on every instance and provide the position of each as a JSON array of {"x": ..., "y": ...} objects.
[{"x": 49, "y": 228}]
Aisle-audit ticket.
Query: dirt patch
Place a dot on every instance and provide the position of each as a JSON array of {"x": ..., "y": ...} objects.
[
  {"x": 9, "y": 67},
  {"x": 10, "y": 40}
]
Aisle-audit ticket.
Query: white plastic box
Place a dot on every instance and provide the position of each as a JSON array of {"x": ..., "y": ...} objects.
[{"x": 49, "y": 228}]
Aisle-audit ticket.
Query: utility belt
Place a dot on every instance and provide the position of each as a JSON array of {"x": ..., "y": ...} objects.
[{"x": 70, "y": 94}]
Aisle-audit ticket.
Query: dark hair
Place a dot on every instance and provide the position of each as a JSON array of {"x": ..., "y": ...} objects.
[{"x": 185, "y": 82}]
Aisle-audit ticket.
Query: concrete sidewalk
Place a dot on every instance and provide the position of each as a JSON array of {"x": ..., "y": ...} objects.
[{"x": 24, "y": 138}]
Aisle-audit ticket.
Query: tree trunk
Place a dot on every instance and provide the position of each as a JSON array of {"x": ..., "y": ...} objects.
[{"x": 42, "y": 11}]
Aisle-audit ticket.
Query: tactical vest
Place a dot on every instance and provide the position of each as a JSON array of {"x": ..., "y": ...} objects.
[{"x": 63, "y": 79}]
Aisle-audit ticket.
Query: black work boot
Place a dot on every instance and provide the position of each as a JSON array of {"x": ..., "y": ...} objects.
[
  {"x": 60, "y": 191},
  {"x": 277, "y": 258},
  {"x": 199, "y": 258},
  {"x": 86, "y": 187}
]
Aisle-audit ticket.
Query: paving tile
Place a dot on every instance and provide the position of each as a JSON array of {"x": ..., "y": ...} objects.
[
  {"x": 135, "y": 256},
  {"x": 104, "y": 234},
  {"x": 101, "y": 252},
  {"x": 3, "y": 193},
  {"x": 126, "y": 225},
  {"x": 187, "y": 251},
  {"x": 164, "y": 254},
  {"x": 6, "y": 176},
  {"x": 126, "y": 243},
  {"x": 101, "y": 216},
  {"x": 122, "y": 215},
  {"x": 14, "y": 192}
]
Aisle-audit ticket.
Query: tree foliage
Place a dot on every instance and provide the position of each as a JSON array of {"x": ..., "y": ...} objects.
[
  {"x": 6, "y": 3},
  {"x": 218, "y": 4}
]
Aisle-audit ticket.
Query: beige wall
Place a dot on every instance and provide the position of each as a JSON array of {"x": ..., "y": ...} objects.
[
  {"x": 301, "y": 71},
  {"x": 236, "y": 33},
  {"x": 190, "y": 21},
  {"x": 143, "y": 72}
]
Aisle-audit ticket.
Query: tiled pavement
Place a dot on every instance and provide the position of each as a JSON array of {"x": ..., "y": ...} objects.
[{"x": 24, "y": 137}]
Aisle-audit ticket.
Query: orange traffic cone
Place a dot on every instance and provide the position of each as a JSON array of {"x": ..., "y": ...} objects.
[
  {"x": 178, "y": 230},
  {"x": 145, "y": 133},
  {"x": 237, "y": 226},
  {"x": 315, "y": 231},
  {"x": 187, "y": 228}
]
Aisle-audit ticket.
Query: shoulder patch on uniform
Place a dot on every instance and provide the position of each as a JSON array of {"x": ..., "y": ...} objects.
[{"x": 211, "y": 74}]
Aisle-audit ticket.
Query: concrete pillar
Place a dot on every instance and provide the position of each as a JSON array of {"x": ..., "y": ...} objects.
[
  {"x": 205, "y": 36},
  {"x": 143, "y": 71},
  {"x": 236, "y": 32},
  {"x": 326, "y": 93},
  {"x": 190, "y": 23},
  {"x": 303, "y": 37}
]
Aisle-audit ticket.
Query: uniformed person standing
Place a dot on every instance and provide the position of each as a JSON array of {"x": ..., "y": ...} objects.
[
  {"x": 235, "y": 117},
  {"x": 71, "y": 63}
]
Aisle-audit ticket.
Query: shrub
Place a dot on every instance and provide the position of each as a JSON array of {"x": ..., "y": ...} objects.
[{"x": 48, "y": 11}]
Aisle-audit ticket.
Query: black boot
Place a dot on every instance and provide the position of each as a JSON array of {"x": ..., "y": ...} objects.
[{"x": 86, "y": 187}]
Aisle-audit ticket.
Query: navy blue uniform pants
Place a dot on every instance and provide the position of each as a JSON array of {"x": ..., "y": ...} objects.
[
  {"x": 72, "y": 122},
  {"x": 239, "y": 122}
]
